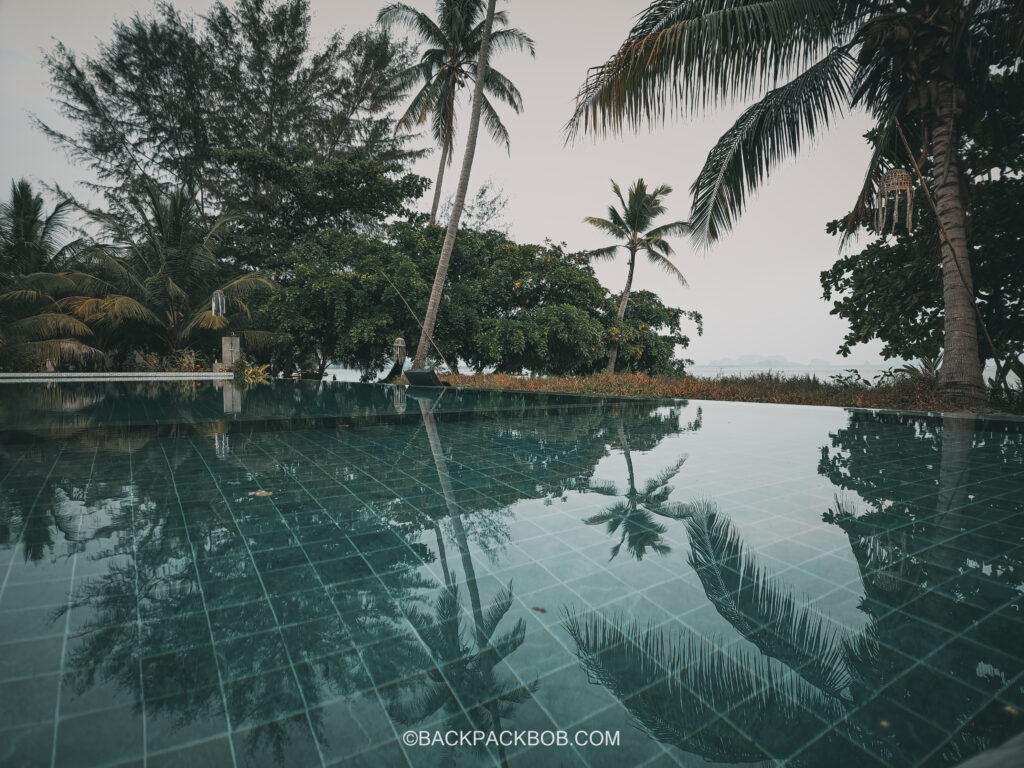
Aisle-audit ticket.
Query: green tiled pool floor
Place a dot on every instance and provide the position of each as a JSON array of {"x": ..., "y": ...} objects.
[{"x": 300, "y": 576}]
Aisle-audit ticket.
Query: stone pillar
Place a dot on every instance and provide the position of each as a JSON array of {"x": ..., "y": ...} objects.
[
  {"x": 232, "y": 398},
  {"x": 230, "y": 351}
]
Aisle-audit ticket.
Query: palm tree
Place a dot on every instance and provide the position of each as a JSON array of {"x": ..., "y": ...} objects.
[
  {"x": 449, "y": 61},
  {"x": 631, "y": 224},
  {"x": 31, "y": 241},
  {"x": 38, "y": 262},
  {"x": 161, "y": 276},
  {"x": 430, "y": 317},
  {"x": 632, "y": 517},
  {"x": 470, "y": 691},
  {"x": 913, "y": 64}
]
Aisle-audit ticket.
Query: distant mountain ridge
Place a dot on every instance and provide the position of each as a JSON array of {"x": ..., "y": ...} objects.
[{"x": 777, "y": 361}]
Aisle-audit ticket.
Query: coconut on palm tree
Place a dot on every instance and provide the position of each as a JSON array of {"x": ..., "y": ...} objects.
[
  {"x": 631, "y": 225},
  {"x": 448, "y": 64},
  {"x": 914, "y": 65}
]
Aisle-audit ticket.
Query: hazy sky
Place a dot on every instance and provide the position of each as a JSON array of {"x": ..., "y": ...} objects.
[{"x": 758, "y": 289}]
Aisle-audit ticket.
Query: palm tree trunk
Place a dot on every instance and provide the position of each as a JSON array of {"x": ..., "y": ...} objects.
[
  {"x": 430, "y": 319},
  {"x": 613, "y": 353},
  {"x": 957, "y": 446},
  {"x": 960, "y": 377},
  {"x": 437, "y": 186}
]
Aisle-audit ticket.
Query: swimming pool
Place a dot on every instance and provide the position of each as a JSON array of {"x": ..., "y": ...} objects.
[{"x": 371, "y": 575}]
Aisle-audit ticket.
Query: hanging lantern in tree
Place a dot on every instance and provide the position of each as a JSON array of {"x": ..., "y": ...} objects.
[
  {"x": 894, "y": 183},
  {"x": 399, "y": 351},
  {"x": 220, "y": 305}
]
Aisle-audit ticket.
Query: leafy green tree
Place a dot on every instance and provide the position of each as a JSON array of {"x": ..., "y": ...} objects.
[
  {"x": 285, "y": 195},
  {"x": 632, "y": 224},
  {"x": 649, "y": 335},
  {"x": 920, "y": 64},
  {"x": 239, "y": 105},
  {"x": 447, "y": 65},
  {"x": 336, "y": 304}
]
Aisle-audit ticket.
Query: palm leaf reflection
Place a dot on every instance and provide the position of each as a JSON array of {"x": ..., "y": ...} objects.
[
  {"x": 469, "y": 690},
  {"x": 677, "y": 684},
  {"x": 758, "y": 607},
  {"x": 632, "y": 517}
]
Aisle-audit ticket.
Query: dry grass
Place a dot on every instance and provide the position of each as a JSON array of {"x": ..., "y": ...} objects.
[{"x": 909, "y": 394}]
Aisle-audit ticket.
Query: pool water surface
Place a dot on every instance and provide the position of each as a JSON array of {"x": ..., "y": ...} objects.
[{"x": 309, "y": 575}]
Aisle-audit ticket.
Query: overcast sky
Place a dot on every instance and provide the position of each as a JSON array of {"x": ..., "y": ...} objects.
[{"x": 758, "y": 288}]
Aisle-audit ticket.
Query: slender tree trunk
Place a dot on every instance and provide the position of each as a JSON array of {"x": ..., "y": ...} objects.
[
  {"x": 613, "y": 353},
  {"x": 430, "y": 319},
  {"x": 437, "y": 185},
  {"x": 957, "y": 446},
  {"x": 960, "y": 377},
  {"x": 624, "y": 444},
  {"x": 455, "y": 517}
]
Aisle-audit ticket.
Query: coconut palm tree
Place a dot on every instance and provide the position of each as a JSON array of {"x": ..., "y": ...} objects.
[
  {"x": 632, "y": 516},
  {"x": 30, "y": 240},
  {"x": 473, "y": 694},
  {"x": 159, "y": 276},
  {"x": 453, "y": 44},
  {"x": 914, "y": 65},
  {"x": 38, "y": 259},
  {"x": 631, "y": 225},
  {"x": 430, "y": 316}
]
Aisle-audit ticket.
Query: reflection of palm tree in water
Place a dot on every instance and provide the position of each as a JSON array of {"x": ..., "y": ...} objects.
[
  {"x": 468, "y": 688},
  {"x": 801, "y": 665},
  {"x": 633, "y": 517}
]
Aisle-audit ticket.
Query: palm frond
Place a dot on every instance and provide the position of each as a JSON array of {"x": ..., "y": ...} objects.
[
  {"x": 685, "y": 55},
  {"x": 663, "y": 478},
  {"x": 245, "y": 285},
  {"x": 257, "y": 340},
  {"x": 496, "y": 610},
  {"x": 612, "y": 228},
  {"x": 419, "y": 22},
  {"x": 661, "y": 261},
  {"x": 675, "y": 229},
  {"x": 205, "y": 320},
  {"x": 767, "y": 132},
  {"x": 46, "y": 326},
  {"x": 499, "y": 86},
  {"x": 497, "y": 129},
  {"x": 511, "y": 39}
]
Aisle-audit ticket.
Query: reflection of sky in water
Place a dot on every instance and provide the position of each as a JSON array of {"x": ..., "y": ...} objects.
[{"x": 300, "y": 573}]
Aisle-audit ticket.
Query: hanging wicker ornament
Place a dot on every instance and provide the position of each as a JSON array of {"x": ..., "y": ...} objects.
[
  {"x": 219, "y": 305},
  {"x": 893, "y": 184}
]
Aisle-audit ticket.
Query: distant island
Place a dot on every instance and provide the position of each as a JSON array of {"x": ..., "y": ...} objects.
[{"x": 780, "y": 362}]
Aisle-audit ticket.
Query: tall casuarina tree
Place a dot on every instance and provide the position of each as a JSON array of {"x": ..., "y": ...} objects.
[
  {"x": 453, "y": 44},
  {"x": 631, "y": 226},
  {"x": 430, "y": 318},
  {"x": 915, "y": 64}
]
